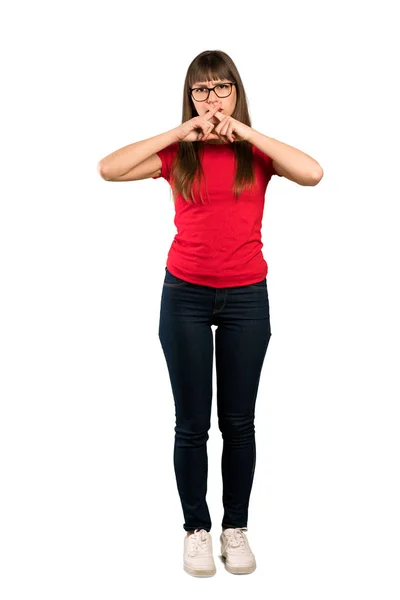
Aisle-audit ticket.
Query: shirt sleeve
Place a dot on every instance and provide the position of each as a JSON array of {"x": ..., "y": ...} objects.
[
  {"x": 167, "y": 156},
  {"x": 267, "y": 161}
]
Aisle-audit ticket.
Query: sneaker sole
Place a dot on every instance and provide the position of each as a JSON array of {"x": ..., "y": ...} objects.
[
  {"x": 239, "y": 570},
  {"x": 199, "y": 572}
]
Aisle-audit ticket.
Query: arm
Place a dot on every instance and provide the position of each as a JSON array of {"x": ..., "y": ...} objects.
[
  {"x": 287, "y": 160},
  {"x": 122, "y": 161}
]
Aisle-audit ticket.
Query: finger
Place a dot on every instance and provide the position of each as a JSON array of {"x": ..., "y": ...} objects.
[
  {"x": 222, "y": 126},
  {"x": 207, "y": 128},
  {"x": 221, "y": 136},
  {"x": 229, "y": 132},
  {"x": 211, "y": 111},
  {"x": 211, "y": 136},
  {"x": 220, "y": 116}
]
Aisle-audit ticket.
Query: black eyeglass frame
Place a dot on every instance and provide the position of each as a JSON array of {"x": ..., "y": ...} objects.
[{"x": 232, "y": 83}]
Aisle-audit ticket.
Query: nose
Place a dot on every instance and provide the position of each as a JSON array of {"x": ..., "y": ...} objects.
[
  {"x": 215, "y": 102},
  {"x": 216, "y": 97}
]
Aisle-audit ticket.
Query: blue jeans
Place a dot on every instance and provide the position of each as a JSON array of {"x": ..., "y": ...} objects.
[{"x": 241, "y": 315}]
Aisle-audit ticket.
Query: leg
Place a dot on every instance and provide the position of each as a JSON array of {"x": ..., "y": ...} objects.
[
  {"x": 242, "y": 339},
  {"x": 187, "y": 341}
]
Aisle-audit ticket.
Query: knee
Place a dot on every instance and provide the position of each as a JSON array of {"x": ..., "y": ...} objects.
[
  {"x": 193, "y": 434},
  {"x": 237, "y": 430}
]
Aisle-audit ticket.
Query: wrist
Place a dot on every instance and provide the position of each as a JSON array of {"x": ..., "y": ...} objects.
[
  {"x": 249, "y": 134},
  {"x": 175, "y": 134}
]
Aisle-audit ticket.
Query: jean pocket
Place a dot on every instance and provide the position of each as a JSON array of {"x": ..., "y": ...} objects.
[{"x": 172, "y": 281}]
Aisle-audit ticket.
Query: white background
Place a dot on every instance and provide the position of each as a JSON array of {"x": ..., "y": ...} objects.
[{"x": 89, "y": 506}]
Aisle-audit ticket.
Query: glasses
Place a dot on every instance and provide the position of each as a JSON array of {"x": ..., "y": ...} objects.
[{"x": 222, "y": 90}]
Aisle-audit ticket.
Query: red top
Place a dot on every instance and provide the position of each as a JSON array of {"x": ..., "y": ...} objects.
[{"x": 218, "y": 243}]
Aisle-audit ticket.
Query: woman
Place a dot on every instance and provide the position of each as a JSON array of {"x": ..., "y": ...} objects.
[{"x": 218, "y": 167}]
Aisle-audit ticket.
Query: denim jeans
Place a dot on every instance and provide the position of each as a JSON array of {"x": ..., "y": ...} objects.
[{"x": 243, "y": 331}]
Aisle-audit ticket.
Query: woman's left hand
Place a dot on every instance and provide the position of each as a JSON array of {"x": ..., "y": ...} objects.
[{"x": 228, "y": 129}]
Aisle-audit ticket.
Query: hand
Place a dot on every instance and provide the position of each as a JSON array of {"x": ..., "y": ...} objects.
[
  {"x": 196, "y": 128},
  {"x": 229, "y": 129}
]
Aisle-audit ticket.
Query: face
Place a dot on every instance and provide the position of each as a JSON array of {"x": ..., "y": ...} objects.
[{"x": 227, "y": 104}]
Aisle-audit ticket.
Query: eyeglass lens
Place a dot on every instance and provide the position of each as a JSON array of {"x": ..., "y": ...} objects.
[{"x": 222, "y": 90}]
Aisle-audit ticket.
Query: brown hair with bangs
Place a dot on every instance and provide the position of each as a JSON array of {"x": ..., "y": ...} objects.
[{"x": 211, "y": 64}]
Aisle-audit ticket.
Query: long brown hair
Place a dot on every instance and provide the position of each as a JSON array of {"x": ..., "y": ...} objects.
[{"x": 211, "y": 64}]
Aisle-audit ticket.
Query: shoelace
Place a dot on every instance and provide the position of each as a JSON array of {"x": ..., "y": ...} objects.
[
  {"x": 236, "y": 538},
  {"x": 198, "y": 540}
]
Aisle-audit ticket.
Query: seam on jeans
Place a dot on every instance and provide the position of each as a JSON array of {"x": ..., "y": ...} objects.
[{"x": 217, "y": 310}]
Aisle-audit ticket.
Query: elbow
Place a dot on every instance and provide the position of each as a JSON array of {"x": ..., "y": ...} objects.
[
  {"x": 317, "y": 176},
  {"x": 101, "y": 172}
]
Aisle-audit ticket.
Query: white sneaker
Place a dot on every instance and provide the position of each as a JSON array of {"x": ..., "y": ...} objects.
[
  {"x": 198, "y": 557},
  {"x": 236, "y": 551}
]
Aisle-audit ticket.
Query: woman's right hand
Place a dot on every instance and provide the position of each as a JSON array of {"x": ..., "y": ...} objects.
[{"x": 197, "y": 127}]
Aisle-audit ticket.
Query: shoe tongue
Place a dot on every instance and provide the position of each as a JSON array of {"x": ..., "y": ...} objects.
[
  {"x": 203, "y": 534},
  {"x": 236, "y": 538}
]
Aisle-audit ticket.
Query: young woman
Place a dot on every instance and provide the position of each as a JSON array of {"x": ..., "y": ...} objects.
[{"x": 218, "y": 167}]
